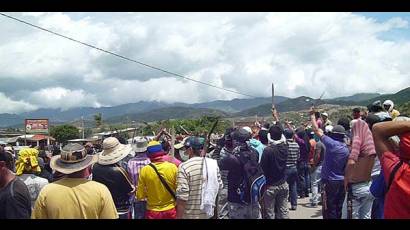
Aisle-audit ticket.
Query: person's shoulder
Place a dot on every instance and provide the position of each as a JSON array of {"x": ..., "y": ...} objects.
[
  {"x": 41, "y": 180},
  {"x": 18, "y": 184},
  {"x": 96, "y": 185}
]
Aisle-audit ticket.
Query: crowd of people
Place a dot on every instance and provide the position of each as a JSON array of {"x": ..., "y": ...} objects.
[{"x": 354, "y": 168}]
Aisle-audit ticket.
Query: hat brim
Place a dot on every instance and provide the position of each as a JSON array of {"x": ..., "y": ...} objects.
[
  {"x": 140, "y": 150},
  {"x": 179, "y": 146},
  {"x": 69, "y": 168},
  {"x": 112, "y": 157}
]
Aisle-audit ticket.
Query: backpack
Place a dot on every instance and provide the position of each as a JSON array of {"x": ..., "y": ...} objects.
[{"x": 253, "y": 182}]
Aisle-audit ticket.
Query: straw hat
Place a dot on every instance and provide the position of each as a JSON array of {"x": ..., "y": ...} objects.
[
  {"x": 73, "y": 158},
  {"x": 113, "y": 151}
]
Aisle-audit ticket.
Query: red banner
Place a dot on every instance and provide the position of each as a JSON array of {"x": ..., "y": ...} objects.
[{"x": 36, "y": 126}]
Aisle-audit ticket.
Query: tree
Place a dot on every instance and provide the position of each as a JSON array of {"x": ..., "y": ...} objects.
[
  {"x": 63, "y": 133},
  {"x": 98, "y": 120}
]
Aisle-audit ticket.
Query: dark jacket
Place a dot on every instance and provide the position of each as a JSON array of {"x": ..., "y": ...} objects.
[
  {"x": 273, "y": 163},
  {"x": 117, "y": 181}
]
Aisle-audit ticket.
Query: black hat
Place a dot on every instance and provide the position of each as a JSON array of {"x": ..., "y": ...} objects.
[
  {"x": 338, "y": 129},
  {"x": 372, "y": 119},
  {"x": 241, "y": 135},
  {"x": 288, "y": 133}
]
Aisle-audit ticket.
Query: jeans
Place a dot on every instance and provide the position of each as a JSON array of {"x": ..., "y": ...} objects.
[
  {"x": 291, "y": 179},
  {"x": 315, "y": 179},
  {"x": 139, "y": 209},
  {"x": 275, "y": 201},
  {"x": 223, "y": 207},
  {"x": 334, "y": 194},
  {"x": 362, "y": 201},
  {"x": 304, "y": 179}
]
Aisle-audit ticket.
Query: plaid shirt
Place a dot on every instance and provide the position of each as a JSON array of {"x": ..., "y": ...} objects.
[{"x": 135, "y": 165}]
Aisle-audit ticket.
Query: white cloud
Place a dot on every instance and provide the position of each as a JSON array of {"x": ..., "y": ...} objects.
[
  {"x": 8, "y": 105},
  {"x": 302, "y": 53},
  {"x": 59, "y": 97}
]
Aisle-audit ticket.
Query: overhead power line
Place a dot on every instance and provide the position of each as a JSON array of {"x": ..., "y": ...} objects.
[{"x": 123, "y": 57}]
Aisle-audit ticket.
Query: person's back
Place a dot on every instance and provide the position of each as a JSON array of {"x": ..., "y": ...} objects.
[
  {"x": 27, "y": 165},
  {"x": 190, "y": 187},
  {"x": 151, "y": 188},
  {"x": 117, "y": 181},
  {"x": 334, "y": 159},
  {"x": 74, "y": 198},
  {"x": 293, "y": 155},
  {"x": 15, "y": 200},
  {"x": 34, "y": 184},
  {"x": 273, "y": 163}
]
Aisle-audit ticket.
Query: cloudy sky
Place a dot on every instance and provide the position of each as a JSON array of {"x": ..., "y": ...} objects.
[{"x": 302, "y": 53}]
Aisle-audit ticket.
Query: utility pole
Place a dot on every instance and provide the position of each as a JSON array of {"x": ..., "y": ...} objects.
[{"x": 82, "y": 123}]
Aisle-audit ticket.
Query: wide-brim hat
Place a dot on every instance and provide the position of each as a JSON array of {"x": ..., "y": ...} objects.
[
  {"x": 181, "y": 144},
  {"x": 68, "y": 168},
  {"x": 73, "y": 158},
  {"x": 113, "y": 151}
]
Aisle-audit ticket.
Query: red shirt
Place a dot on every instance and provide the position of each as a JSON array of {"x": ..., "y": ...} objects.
[{"x": 397, "y": 201}]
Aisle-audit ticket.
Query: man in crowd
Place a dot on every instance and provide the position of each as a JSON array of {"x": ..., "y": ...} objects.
[
  {"x": 303, "y": 141},
  {"x": 263, "y": 134},
  {"x": 394, "y": 166},
  {"x": 27, "y": 169},
  {"x": 227, "y": 149},
  {"x": 14, "y": 195},
  {"x": 291, "y": 167},
  {"x": 388, "y": 105},
  {"x": 358, "y": 172},
  {"x": 74, "y": 196},
  {"x": 134, "y": 168},
  {"x": 240, "y": 207},
  {"x": 273, "y": 164},
  {"x": 356, "y": 113},
  {"x": 316, "y": 170},
  {"x": 332, "y": 174},
  {"x": 326, "y": 121},
  {"x": 110, "y": 171},
  {"x": 198, "y": 178},
  {"x": 157, "y": 184}
]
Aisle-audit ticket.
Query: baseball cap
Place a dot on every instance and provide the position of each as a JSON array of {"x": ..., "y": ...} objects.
[
  {"x": 194, "y": 142},
  {"x": 241, "y": 135}
]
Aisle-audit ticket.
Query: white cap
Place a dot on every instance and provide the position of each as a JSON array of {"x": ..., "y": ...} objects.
[
  {"x": 325, "y": 114},
  {"x": 247, "y": 129},
  {"x": 329, "y": 128}
]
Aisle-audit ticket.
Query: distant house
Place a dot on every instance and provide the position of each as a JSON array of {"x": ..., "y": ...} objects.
[{"x": 37, "y": 139}]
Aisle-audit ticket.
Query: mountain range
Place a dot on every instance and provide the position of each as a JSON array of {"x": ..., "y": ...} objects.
[{"x": 154, "y": 110}]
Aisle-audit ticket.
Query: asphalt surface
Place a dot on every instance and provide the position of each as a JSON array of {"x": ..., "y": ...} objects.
[{"x": 304, "y": 211}]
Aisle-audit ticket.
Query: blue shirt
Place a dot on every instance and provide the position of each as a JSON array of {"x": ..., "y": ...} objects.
[
  {"x": 258, "y": 146},
  {"x": 335, "y": 159}
]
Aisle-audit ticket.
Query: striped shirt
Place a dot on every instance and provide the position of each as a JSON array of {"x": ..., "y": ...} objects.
[
  {"x": 189, "y": 187},
  {"x": 293, "y": 155},
  {"x": 135, "y": 165}
]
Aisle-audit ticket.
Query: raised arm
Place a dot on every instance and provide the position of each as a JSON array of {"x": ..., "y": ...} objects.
[
  {"x": 315, "y": 127},
  {"x": 275, "y": 114},
  {"x": 382, "y": 131}
]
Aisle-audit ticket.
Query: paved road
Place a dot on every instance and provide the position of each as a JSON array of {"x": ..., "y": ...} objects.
[{"x": 304, "y": 211}]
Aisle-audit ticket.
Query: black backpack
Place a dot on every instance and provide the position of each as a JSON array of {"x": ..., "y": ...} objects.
[{"x": 253, "y": 183}]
